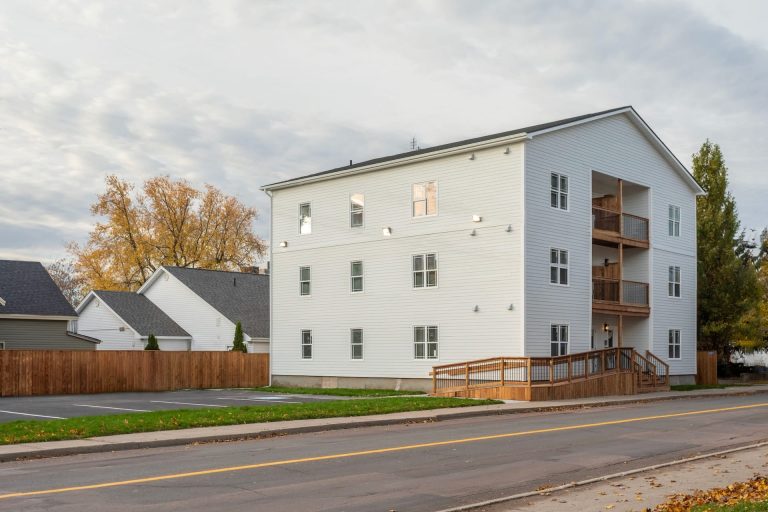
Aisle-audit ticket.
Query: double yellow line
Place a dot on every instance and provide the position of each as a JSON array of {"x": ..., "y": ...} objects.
[{"x": 175, "y": 476}]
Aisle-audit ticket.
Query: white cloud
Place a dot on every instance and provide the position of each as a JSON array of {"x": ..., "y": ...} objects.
[{"x": 239, "y": 93}]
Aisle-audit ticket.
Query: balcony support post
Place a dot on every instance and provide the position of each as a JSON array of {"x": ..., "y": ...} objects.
[
  {"x": 620, "y": 328},
  {"x": 621, "y": 273}
]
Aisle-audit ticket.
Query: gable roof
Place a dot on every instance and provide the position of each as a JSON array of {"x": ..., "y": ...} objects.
[
  {"x": 140, "y": 313},
  {"x": 28, "y": 290},
  {"x": 240, "y": 296},
  {"x": 500, "y": 138}
]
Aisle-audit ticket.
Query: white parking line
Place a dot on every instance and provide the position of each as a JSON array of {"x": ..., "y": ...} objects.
[
  {"x": 272, "y": 400},
  {"x": 114, "y": 408},
  {"x": 35, "y": 415},
  {"x": 185, "y": 403}
]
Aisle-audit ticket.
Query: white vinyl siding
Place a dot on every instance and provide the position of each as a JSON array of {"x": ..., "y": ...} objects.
[
  {"x": 305, "y": 281},
  {"x": 558, "y": 267},
  {"x": 356, "y": 210},
  {"x": 356, "y": 343},
  {"x": 674, "y": 344},
  {"x": 305, "y": 218},
  {"x": 425, "y": 342},
  {"x": 98, "y": 321},
  {"x": 306, "y": 344},
  {"x": 424, "y": 199},
  {"x": 674, "y": 220},
  {"x": 425, "y": 270},
  {"x": 674, "y": 281},
  {"x": 558, "y": 196},
  {"x": 558, "y": 340},
  {"x": 356, "y": 276}
]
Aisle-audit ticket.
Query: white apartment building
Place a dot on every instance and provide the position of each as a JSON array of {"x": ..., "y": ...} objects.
[{"x": 547, "y": 240}]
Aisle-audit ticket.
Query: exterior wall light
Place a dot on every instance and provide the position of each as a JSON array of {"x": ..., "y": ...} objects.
[
  {"x": 386, "y": 231},
  {"x": 509, "y": 228},
  {"x": 283, "y": 244},
  {"x": 477, "y": 218},
  {"x": 473, "y": 233}
]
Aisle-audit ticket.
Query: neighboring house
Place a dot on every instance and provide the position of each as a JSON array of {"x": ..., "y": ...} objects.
[
  {"x": 186, "y": 308},
  {"x": 546, "y": 240},
  {"x": 34, "y": 314},
  {"x": 124, "y": 321}
]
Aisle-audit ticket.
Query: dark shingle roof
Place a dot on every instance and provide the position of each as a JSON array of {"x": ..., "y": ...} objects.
[
  {"x": 140, "y": 313},
  {"x": 28, "y": 289},
  {"x": 240, "y": 296},
  {"x": 509, "y": 133}
]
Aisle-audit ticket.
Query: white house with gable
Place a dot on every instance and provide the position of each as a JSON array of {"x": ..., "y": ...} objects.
[{"x": 547, "y": 240}]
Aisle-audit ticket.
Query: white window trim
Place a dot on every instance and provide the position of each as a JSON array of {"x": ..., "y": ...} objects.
[
  {"x": 679, "y": 344},
  {"x": 437, "y": 271},
  {"x": 301, "y": 267},
  {"x": 567, "y": 266},
  {"x": 567, "y": 194},
  {"x": 352, "y": 345},
  {"x": 361, "y": 226},
  {"x": 437, "y": 200},
  {"x": 677, "y": 223},
  {"x": 568, "y": 341},
  {"x": 678, "y": 283},
  {"x": 302, "y": 344},
  {"x": 310, "y": 217},
  {"x": 351, "y": 277},
  {"x": 426, "y": 337}
]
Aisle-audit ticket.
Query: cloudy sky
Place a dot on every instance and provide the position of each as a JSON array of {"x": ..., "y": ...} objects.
[{"x": 242, "y": 93}]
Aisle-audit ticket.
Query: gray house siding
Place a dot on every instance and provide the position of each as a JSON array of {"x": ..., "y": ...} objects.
[{"x": 39, "y": 335}]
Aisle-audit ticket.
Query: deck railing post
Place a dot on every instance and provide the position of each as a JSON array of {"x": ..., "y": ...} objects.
[
  {"x": 434, "y": 381},
  {"x": 602, "y": 361},
  {"x": 502, "y": 371},
  {"x": 528, "y": 371},
  {"x": 551, "y": 370},
  {"x": 466, "y": 375}
]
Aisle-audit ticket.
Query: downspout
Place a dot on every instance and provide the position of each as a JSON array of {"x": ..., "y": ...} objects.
[{"x": 271, "y": 287}]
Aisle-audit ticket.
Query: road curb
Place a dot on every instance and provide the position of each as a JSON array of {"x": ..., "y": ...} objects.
[{"x": 27, "y": 451}]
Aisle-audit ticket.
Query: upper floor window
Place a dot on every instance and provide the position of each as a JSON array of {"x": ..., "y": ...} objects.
[
  {"x": 558, "y": 340},
  {"x": 425, "y": 342},
  {"x": 305, "y": 218},
  {"x": 356, "y": 276},
  {"x": 424, "y": 197},
  {"x": 674, "y": 343},
  {"x": 674, "y": 281},
  {"x": 425, "y": 270},
  {"x": 305, "y": 275},
  {"x": 306, "y": 344},
  {"x": 558, "y": 266},
  {"x": 674, "y": 220},
  {"x": 356, "y": 342},
  {"x": 559, "y": 191},
  {"x": 356, "y": 207}
]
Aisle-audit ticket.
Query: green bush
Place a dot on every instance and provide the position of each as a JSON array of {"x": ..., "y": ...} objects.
[
  {"x": 238, "y": 345},
  {"x": 152, "y": 343}
]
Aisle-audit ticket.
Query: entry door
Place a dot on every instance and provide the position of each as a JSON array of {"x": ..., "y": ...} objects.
[{"x": 603, "y": 339}]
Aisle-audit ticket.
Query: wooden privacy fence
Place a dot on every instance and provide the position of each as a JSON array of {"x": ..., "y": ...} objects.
[
  {"x": 706, "y": 367},
  {"x": 62, "y": 372}
]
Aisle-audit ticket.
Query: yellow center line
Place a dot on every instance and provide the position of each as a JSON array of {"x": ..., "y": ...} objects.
[{"x": 371, "y": 452}]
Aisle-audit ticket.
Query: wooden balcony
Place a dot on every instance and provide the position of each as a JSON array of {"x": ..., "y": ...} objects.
[
  {"x": 614, "y": 296},
  {"x": 610, "y": 228}
]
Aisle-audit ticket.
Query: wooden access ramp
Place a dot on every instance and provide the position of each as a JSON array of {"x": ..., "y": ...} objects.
[{"x": 611, "y": 371}]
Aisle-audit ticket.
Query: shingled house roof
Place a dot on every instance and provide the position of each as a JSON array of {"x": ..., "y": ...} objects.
[
  {"x": 240, "y": 296},
  {"x": 141, "y": 314},
  {"x": 28, "y": 289}
]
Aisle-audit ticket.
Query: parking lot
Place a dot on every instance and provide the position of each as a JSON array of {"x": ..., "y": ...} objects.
[{"x": 70, "y": 406}]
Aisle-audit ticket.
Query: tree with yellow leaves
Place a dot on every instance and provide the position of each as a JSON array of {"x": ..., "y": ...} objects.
[{"x": 168, "y": 222}]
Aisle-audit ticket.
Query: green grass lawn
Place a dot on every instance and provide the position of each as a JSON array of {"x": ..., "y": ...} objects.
[
  {"x": 90, "y": 426},
  {"x": 744, "y": 506},
  {"x": 336, "y": 391}
]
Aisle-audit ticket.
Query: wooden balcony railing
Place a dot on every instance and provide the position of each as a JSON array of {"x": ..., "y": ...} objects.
[
  {"x": 549, "y": 371},
  {"x": 624, "y": 224},
  {"x": 632, "y": 292}
]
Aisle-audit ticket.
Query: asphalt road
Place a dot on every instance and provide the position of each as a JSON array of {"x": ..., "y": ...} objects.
[
  {"x": 69, "y": 406},
  {"x": 419, "y": 467}
]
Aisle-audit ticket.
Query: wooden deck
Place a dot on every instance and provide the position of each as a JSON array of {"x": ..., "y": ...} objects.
[{"x": 612, "y": 371}]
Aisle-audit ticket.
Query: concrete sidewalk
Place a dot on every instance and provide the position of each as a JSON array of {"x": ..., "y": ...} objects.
[{"x": 261, "y": 430}]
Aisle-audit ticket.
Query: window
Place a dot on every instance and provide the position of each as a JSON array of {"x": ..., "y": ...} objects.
[
  {"x": 674, "y": 343},
  {"x": 305, "y": 275},
  {"x": 425, "y": 270},
  {"x": 558, "y": 340},
  {"x": 674, "y": 281},
  {"x": 2, "y": 345},
  {"x": 356, "y": 207},
  {"x": 674, "y": 220},
  {"x": 558, "y": 266},
  {"x": 305, "y": 219},
  {"x": 559, "y": 191},
  {"x": 356, "y": 341},
  {"x": 424, "y": 197},
  {"x": 425, "y": 342},
  {"x": 306, "y": 344},
  {"x": 356, "y": 276}
]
